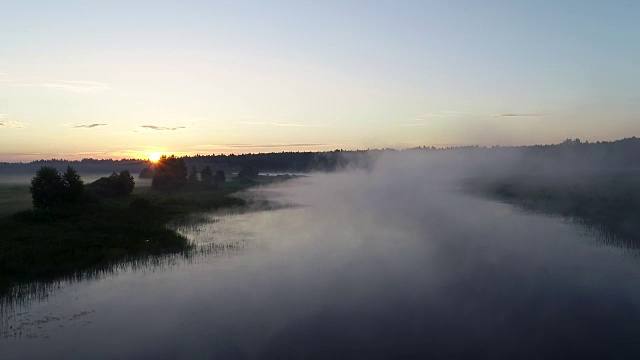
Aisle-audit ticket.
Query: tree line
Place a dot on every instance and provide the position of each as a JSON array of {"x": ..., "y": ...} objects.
[
  {"x": 169, "y": 173},
  {"x": 49, "y": 188}
]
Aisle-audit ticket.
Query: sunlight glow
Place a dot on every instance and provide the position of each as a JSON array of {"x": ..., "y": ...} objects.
[{"x": 154, "y": 157}]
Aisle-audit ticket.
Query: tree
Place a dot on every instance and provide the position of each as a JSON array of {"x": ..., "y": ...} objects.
[
  {"x": 146, "y": 173},
  {"x": 219, "y": 177},
  {"x": 47, "y": 187},
  {"x": 248, "y": 172},
  {"x": 73, "y": 184},
  {"x": 114, "y": 185},
  {"x": 164, "y": 181},
  {"x": 124, "y": 183},
  {"x": 170, "y": 173},
  {"x": 206, "y": 175},
  {"x": 193, "y": 176}
]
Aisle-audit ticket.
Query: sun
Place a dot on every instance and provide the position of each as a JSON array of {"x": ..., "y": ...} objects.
[{"x": 154, "y": 157}]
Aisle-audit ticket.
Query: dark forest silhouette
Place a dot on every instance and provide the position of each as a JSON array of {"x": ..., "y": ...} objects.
[{"x": 605, "y": 154}]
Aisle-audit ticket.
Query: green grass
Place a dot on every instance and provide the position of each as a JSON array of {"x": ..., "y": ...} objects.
[
  {"x": 14, "y": 198},
  {"x": 46, "y": 245}
]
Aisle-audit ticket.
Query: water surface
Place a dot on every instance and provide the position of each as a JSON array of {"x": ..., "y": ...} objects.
[{"x": 364, "y": 267}]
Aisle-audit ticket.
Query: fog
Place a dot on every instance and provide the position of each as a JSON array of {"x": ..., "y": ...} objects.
[{"x": 392, "y": 262}]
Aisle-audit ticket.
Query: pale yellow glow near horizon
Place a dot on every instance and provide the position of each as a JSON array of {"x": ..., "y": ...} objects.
[{"x": 154, "y": 157}]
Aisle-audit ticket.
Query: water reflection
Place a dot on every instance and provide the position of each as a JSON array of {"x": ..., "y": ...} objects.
[{"x": 366, "y": 269}]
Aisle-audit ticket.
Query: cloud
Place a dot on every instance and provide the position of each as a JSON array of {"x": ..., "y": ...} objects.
[
  {"x": 73, "y": 86},
  {"x": 88, "y": 126},
  {"x": 162, "y": 128},
  {"x": 270, "y": 145},
  {"x": 257, "y": 146},
  {"x": 279, "y": 124},
  {"x": 510, "y": 115},
  {"x": 10, "y": 124},
  {"x": 433, "y": 118},
  {"x": 419, "y": 122},
  {"x": 424, "y": 120}
]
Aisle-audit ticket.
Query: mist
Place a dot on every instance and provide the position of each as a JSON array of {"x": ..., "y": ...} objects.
[{"x": 395, "y": 261}]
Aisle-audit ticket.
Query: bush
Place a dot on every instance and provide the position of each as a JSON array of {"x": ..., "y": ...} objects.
[{"x": 115, "y": 185}]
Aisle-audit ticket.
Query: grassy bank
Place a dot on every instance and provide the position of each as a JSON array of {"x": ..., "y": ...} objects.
[
  {"x": 13, "y": 198},
  {"x": 608, "y": 202},
  {"x": 45, "y": 245}
]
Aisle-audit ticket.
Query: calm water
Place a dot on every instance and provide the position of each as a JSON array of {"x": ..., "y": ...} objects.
[{"x": 374, "y": 265}]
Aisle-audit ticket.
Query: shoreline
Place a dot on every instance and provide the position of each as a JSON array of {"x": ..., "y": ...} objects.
[{"x": 70, "y": 241}]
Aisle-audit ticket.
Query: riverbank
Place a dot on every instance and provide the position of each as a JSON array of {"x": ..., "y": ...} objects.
[
  {"x": 65, "y": 242},
  {"x": 609, "y": 203}
]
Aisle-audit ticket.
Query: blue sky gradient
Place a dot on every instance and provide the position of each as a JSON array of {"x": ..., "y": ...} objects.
[{"x": 238, "y": 76}]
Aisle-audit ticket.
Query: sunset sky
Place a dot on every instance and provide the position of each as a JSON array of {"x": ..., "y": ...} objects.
[{"x": 126, "y": 78}]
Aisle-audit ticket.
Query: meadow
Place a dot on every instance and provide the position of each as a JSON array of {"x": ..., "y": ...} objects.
[
  {"x": 608, "y": 202},
  {"x": 66, "y": 241},
  {"x": 13, "y": 198}
]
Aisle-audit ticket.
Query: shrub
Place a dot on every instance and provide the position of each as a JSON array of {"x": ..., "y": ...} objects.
[{"x": 115, "y": 185}]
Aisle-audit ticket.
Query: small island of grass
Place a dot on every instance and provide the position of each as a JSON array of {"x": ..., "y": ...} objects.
[{"x": 75, "y": 228}]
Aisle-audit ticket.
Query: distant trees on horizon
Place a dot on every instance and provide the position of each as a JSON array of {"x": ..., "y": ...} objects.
[
  {"x": 170, "y": 174},
  {"x": 618, "y": 153}
]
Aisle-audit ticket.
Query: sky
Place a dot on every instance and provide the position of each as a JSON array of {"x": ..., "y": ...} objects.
[{"x": 122, "y": 79}]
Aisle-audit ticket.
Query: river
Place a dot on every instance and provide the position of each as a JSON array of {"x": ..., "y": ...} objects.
[{"x": 356, "y": 265}]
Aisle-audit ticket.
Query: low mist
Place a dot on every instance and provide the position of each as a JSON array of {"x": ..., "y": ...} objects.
[{"x": 395, "y": 261}]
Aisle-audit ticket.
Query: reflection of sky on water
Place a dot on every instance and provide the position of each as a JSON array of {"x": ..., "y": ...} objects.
[{"x": 368, "y": 268}]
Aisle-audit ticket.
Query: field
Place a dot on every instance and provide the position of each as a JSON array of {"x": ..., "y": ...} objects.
[
  {"x": 13, "y": 198},
  {"x": 608, "y": 202},
  {"x": 44, "y": 245}
]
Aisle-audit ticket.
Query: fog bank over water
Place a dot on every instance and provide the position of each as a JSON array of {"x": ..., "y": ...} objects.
[{"x": 392, "y": 262}]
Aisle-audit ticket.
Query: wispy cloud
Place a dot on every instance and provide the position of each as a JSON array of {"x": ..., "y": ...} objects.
[
  {"x": 433, "y": 118},
  {"x": 257, "y": 146},
  {"x": 512, "y": 115},
  {"x": 67, "y": 85},
  {"x": 88, "y": 126},
  {"x": 419, "y": 122},
  {"x": 162, "y": 128},
  {"x": 270, "y": 145},
  {"x": 286, "y": 124},
  {"x": 10, "y": 124},
  {"x": 424, "y": 120}
]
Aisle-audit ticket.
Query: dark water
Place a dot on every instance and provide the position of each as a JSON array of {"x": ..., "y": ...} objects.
[{"x": 372, "y": 266}]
